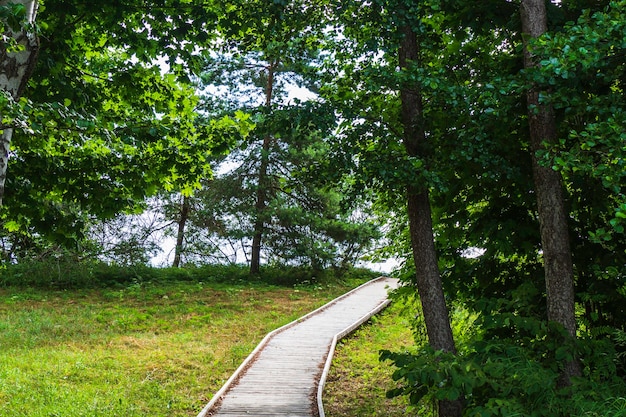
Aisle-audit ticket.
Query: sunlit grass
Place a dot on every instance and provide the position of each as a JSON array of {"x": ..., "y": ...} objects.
[
  {"x": 144, "y": 350},
  {"x": 358, "y": 381}
]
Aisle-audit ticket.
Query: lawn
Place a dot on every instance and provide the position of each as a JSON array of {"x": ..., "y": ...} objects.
[
  {"x": 358, "y": 381},
  {"x": 140, "y": 350}
]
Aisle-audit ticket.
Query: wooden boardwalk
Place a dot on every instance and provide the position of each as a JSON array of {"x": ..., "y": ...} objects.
[{"x": 285, "y": 374}]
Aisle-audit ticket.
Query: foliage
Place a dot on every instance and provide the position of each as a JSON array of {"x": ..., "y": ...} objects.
[
  {"x": 102, "y": 125},
  {"x": 510, "y": 367},
  {"x": 584, "y": 66},
  {"x": 61, "y": 269},
  {"x": 479, "y": 170},
  {"x": 305, "y": 219},
  {"x": 112, "y": 116},
  {"x": 271, "y": 187}
]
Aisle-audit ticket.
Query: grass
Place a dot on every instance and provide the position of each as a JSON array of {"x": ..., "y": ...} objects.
[
  {"x": 145, "y": 349},
  {"x": 357, "y": 381}
]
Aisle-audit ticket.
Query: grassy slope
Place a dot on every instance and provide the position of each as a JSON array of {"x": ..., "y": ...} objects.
[
  {"x": 144, "y": 350},
  {"x": 357, "y": 381}
]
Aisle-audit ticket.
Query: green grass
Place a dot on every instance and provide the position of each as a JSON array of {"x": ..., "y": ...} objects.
[
  {"x": 357, "y": 381},
  {"x": 142, "y": 350}
]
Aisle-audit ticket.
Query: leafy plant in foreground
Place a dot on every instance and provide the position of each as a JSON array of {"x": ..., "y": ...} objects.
[{"x": 511, "y": 369}]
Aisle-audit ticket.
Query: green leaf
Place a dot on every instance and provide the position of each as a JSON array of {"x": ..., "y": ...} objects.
[{"x": 12, "y": 226}]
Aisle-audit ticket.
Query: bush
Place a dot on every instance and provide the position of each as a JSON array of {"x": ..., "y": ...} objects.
[
  {"x": 65, "y": 271},
  {"x": 49, "y": 272},
  {"x": 511, "y": 368}
]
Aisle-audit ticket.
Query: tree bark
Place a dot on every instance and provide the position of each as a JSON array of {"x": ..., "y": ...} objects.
[
  {"x": 16, "y": 67},
  {"x": 180, "y": 234},
  {"x": 262, "y": 186},
  {"x": 557, "y": 257},
  {"x": 429, "y": 284},
  {"x": 259, "y": 208}
]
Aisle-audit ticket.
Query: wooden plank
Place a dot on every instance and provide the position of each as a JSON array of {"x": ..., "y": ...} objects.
[{"x": 280, "y": 378}]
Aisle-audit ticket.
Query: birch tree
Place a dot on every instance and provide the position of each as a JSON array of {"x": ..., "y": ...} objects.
[
  {"x": 98, "y": 111},
  {"x": 18, "y": 55}
]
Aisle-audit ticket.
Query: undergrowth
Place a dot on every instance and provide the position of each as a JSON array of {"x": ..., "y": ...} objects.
[
  {"x": 66, "y": 272},
  {"x": 508, "y": 364}
]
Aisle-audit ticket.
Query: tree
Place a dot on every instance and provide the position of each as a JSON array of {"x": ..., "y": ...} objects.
[
  {"x": 585, "y": 70},
  {"x": 388, "y": 137},
  {"x": 418, "y": 205},
  {"x": 263, "y": 186},
  {"x": 487, "y": 171},
  {"x": 18, "y": 55},
  {"x": 278, "y": 49},
  {"x": 100, "y": 125},
  {"x": 308, "y": 222},
  {"x": 559, "y": 274},
  {"x": 429, "y": 283},
  {"x": 180, "y": 233},
  {"x": 479, "y": 165}
]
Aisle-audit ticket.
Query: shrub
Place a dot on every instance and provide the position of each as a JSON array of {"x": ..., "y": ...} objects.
[
  {"x": 510, "y": 368},
  {"x": 65, "y": 271}
]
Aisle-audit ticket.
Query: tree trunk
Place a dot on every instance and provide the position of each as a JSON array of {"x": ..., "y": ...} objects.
[
  {"x": 180, "y": 234},
  {"x": 557, "y": 258},
  {"x": 259, "y": 208},
  {"x": 429, "y": 283},
  {"x": 16, "y": 67},
  {"x": 262, "y": 186}
]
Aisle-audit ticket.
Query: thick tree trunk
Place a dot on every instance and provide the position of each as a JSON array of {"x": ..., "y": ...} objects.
[
  {"x": 559, "y": 275},
  {"x": 180, "y": 234},
  {"x": 262, "y": 186},
  {"x": 429, "y": 283},
  {"x": 16, "y": 67},
  {"x": 427, "y": 271}
]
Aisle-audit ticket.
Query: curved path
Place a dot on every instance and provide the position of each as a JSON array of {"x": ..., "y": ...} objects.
[{"x": 285, "y": 374}]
